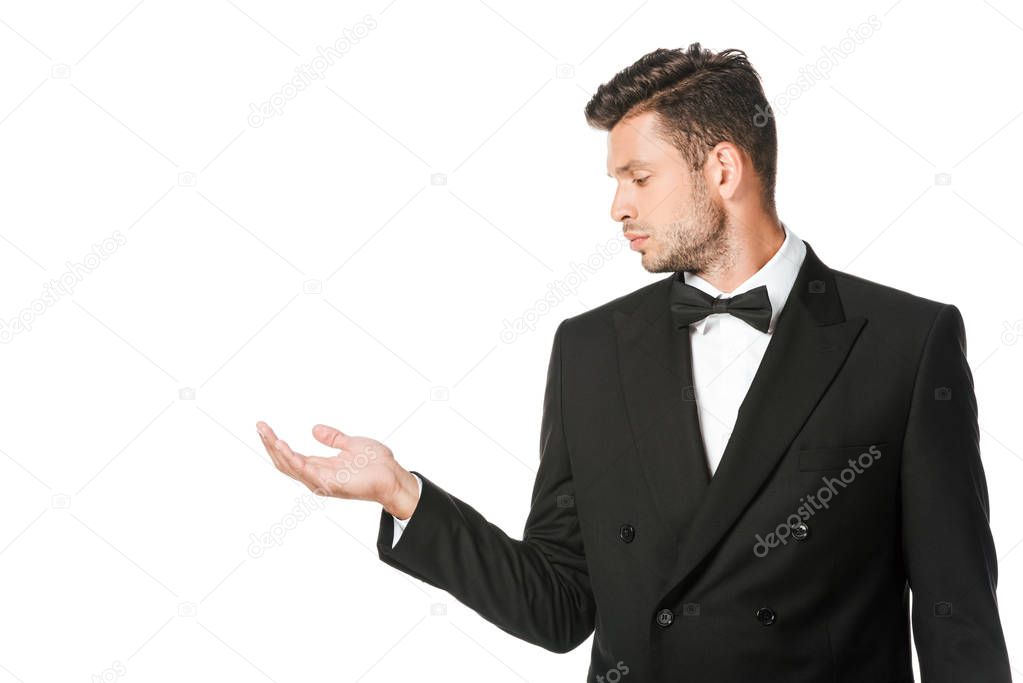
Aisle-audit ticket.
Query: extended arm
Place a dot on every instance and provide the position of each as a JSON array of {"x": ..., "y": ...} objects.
[{"x": 536, "y": 588}]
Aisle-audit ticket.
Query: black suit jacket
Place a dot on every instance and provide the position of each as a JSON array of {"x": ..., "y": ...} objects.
[{"x": 853, "y": 474}]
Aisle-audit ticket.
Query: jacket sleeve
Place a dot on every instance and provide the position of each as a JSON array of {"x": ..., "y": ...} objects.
[
  {"x": 537, "y": 588},
  {"x": 946, "y": 537}
]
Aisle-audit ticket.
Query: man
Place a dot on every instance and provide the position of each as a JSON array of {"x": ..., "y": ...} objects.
[{"x": 746, "y": 465}]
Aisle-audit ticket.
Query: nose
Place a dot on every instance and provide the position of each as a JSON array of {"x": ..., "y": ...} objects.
[{"x": 622, "y": 208}]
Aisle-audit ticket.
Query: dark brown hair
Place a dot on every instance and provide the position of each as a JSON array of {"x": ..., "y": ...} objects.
[{"x": 701, "y": 98}]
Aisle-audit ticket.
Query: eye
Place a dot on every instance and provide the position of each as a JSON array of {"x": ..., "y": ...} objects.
[{"x": 641, "y": 181}]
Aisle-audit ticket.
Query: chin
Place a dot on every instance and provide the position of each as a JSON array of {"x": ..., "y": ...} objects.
[{"x": 650, "y": 265}]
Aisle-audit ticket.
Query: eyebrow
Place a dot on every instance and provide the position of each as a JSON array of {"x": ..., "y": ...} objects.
[{"x": 635, "y": 163}]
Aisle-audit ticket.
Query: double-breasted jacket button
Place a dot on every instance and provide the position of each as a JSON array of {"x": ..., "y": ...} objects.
[
  {"x": 627, "y": 533},
  {"x": 765, "y": 615},
  {"x": 800, "y": 531},
  {"x": 665, "y": 617}
]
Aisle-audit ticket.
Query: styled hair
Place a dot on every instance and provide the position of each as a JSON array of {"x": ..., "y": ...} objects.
[{"x": 701, "y": 98}]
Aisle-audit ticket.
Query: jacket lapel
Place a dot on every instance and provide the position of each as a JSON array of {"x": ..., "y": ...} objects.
[
  {"x": 656, "y": 374},
  {"x": 811, "y": 341}
]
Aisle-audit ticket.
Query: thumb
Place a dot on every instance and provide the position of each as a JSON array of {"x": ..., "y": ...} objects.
[{"x": 329, "y": 436}]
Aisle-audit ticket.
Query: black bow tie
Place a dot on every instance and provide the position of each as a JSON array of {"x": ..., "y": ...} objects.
[{"x": 689, "y": 304}]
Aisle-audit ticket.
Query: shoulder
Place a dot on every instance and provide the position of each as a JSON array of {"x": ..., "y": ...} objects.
[
  {"x": 902, "y": 319},
  {"x": 880, "y": 302},
  {"x": 601, "y": 319}
]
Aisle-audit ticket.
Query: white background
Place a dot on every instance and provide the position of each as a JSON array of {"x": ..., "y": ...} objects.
[{"x": 316, "y": 268}]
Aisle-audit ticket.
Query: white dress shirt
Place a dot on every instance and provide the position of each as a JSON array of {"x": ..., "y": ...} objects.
[{"x": 726, "y": 351}]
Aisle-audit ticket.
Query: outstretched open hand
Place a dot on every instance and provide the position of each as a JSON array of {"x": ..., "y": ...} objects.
[{"x": 363, "y": 469}]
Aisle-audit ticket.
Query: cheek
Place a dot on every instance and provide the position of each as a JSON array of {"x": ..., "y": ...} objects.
[{"x": 662, "y": 216}]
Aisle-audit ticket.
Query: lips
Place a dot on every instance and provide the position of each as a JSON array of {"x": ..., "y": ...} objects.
[
  {"x": 634, "y": 236},
  {"x": 637, "y": 243}
]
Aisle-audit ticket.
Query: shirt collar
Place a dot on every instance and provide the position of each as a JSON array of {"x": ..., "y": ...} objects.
[{"x": 779, "y": 274}]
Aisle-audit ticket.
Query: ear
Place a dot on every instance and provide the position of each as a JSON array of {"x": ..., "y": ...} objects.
[{"x": 726, "y": 165}]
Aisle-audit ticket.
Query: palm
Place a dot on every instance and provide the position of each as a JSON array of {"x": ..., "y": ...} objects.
[{"x": 362, "y": 469}]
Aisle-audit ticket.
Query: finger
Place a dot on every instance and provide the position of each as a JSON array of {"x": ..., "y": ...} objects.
[
  {"x": 295, "y": 461},
  {"x": 266, "y": 432},
  {"x": 270, "y": 442},
  {"x": 329, "y": 436}
]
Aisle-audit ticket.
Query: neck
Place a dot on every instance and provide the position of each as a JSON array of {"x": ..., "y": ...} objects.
[{"x": 751, "y": 244}]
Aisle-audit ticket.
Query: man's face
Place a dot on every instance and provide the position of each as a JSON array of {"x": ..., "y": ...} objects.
[{"x": 660, "y": 198}]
